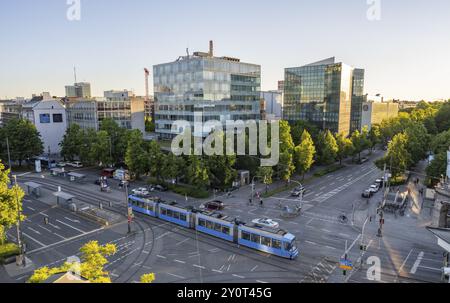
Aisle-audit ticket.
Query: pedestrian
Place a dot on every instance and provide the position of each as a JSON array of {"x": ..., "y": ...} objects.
[{"x": 261, "y": 203}]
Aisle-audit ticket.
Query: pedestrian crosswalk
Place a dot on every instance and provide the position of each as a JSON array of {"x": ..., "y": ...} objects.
[{"x": 321, "y": 272}]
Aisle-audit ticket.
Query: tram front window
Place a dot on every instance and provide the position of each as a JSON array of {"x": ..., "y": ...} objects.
[{"x": 290, "y": 246}]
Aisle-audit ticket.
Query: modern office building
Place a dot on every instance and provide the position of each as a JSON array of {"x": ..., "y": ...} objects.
[
  {"x": 121, "y": 106},
  {"x": 272, "y": 104},
  {"x": 327, "y": 93},
  {"x": 79, "y": 90},
  {"x": 220, "y": 88},
  {"x": 375, "y": 110}
]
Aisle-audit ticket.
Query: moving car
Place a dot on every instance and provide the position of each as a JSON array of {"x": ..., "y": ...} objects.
[
  {"x": 298, "y": 191},
  {"x": 76, "y": 164},
  {"x": 213, "y": 205},
  {"x": 266, "y": 222},
  {"x": 367, "y": 193},
  {"x": 374, "y": 188}
]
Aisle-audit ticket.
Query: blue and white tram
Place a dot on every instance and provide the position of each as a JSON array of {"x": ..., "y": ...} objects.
[
  {"x": 175, "y": 214},
  {"x": 273, "y": 241},
  {"x": 216, "y": 225},
  {"x": 147, "y": 206}
]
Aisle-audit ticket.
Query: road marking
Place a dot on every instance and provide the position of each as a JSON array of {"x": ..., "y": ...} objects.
[
  {"x": 46, "y": 229},
  {"x": 33, "y": 230},
  {"x": 162, "y": 257},
  {"x": 28, "y": 236},
  {"x": 254, "y": 268},
  {"x": 259, "y": 281},
  {"x": 404, "y": 262},
  {"x": 417, "y": 263},
  {"x": 431, "y": 268},
  {"x": 30, "y": 208},
  {"x": 179, "y": 243},
  {"x": 218, "y": 271},
  {"x": 176, "y": 276},
  {"x": 237, "y": 276},
  {"x": 68, "y": 225},
  {"x": 145, "y": 252},
  {"x": 351, "y": 246},
  {"x": 326, "y": 231},
  {"x": 309, "y": 242},
  {"x": 72, "y": 220},
  {"x": 54, "y": 226},
  {"x": 179, "y": 261},
  {"x": 330, "y": 247},
  {"x": 198, "y": 266},
  {"x": 59, "y": 236},
  {"x": 163, "y": 235},
  {"x": 344, "y": 235}
]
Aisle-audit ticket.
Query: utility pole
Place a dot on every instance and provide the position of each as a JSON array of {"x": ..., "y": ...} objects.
[{"x": 21, "y": 261}]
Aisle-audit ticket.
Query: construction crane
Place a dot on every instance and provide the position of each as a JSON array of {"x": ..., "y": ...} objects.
[{"x": 147, "y": 73}]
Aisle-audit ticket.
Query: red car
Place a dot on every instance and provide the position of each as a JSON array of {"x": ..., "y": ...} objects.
[{"x": 213, "y": 205}]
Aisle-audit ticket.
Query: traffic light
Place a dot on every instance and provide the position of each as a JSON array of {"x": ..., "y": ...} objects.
[{"x": 344, "y": 272}]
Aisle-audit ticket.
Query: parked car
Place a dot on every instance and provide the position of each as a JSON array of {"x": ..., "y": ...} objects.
[
  {"x": 108, "y": 172},
  {"x": 213, "y": 205},
  {"x": 374, "y": 188},
  {"x": 61, "y": 164},
  {"x": 298, "y": 191},
  {"x": 141, "y": 191},
  {"x": 76, "y": 164},
  {"x": 266, "y": 222},
  {"x": 367, "y": 193},
  {"x": 160, "y": 188}
]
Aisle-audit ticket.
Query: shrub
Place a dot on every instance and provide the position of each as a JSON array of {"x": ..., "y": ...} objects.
[
  {"x": 328, "y": 170},
  {"x": 8, "y": 250}
]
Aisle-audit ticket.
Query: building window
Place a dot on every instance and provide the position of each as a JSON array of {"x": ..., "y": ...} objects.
[
  {"x": 44, "y": 118},
  {"x": 57, "y": 118}
]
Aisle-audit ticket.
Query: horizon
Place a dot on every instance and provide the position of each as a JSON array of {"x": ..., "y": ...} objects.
[{"x": 113, "y": 42}]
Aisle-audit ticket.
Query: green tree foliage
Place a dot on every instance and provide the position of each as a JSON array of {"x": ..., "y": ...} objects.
[
  {"x": 119, "y": 138},
  {"x": 149, "y": 125},
  {"x": 156, "y": 160},
  {"x": 148, "y": 278},
  {"x": 100, "y": 149},
  {"x": 173, "y": 167},
  {"x": 443, "y": 118},
  {"x": 89, "y": 139},
  {"x": 327, "y": 148},
  {"x": 398, "y": 157},
  {"x": 437, "y": 168},
  {"x": 374, "y": 135},
  {"x": 72, "y": 142},
  {"x": 304, "y": 154},
  {"x": 418, "y": 141},
  {"x": 197, "y": 172},
  {"x": 286, "y": 166},
  {"x": 360, "y": 141},
  {"x": 136, "y": 156},
  {"x": 345, "y": 147},
  {"x": 24, "y": 140},
  {"x": 299, "y": 127},
  {"x": 10, "y": 199},
  {"x": 441, "y": 142},
  {"x": 221, "y": 170},
  {"x": 265, "y": 174}
]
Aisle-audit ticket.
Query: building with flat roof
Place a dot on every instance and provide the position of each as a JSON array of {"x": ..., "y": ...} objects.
[
  {"x": 327, "y": 93},
  {"x": 272, "y": 104},
  {"x": 79, "y": 90},
  {"x": 220, "y": 88},
  {"x": 374, "y": 111}
]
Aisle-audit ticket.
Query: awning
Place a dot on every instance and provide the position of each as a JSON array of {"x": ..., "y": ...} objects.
[
  {"x": 33, "y": 185},
  {"x": 63, "y": 195}
]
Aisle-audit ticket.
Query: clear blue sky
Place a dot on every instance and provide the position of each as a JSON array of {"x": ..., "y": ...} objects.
[{"x": 406, "y": 54}]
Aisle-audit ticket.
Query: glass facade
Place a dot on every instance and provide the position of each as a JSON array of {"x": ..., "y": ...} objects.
[
  {"x": 323, "y": 94},
  {"x": 220, "y": 88}
]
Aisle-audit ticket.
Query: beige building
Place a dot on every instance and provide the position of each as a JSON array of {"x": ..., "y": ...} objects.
[{"x": 375, "y": 110}]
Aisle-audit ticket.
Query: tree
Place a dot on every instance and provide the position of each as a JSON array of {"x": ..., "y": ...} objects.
[
  {"x": 156, "y": 160},
  {"x": 345, "y": 147},
  {"x": 24, "y": 140},
  {"x": 443, "y": 118},
  {"x": 299, "y": 127},
  {"x": 10, "y": 199},
  {"x": 398, "y": 158},
  {"x": 93, "y": 260},
  {"x": 89, "y": 139},
  {"x": 441, "y": 142},
  {"x": 197, "y": 173},
  {"x": 93, "y": 257},
  {"x": 286, "y": 167},
  {"x": 148, "y": 278},
  {"x": 265, "y": 173},
  {"x": 119, "y": 138},
  {"x": 221, "y": 170},
  {"x": 328, "y": 148},
  {"x": 374, "y": 136},
  {"x": 100, "y": 149},
  {"x": 418, "y": 141},
  {"x": 72, "y": 142},
  {"x": 304, "y": 154},
  {"x": 149, "y": 125},
  {"x": 173, "y": 167},
  {"x": 136, "y": 157},
  {"x": 437, "y": 168},
  {"x": 360, "y": 141}
]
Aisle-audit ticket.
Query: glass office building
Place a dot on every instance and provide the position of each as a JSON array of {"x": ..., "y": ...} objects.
[
  {"x": 221, "y": 88},
  {"x": 325, "y": 93}
]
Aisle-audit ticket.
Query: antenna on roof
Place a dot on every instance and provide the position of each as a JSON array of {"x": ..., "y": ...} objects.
[{"x": 75, "y": 74}]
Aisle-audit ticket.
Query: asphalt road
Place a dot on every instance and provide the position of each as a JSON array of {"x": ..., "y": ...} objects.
[{"x": 407, "y": 252}]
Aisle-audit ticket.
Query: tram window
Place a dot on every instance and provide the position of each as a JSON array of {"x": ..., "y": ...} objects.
[
  {"x": 225, "y": 230},
  {"x": 245, "y": 236},
  {"x": 169, "y": 213},
  {"x": 201, "y": 222},
  {"x": 141, "y": 204},
  {"x": 256, "y": 238},
  {"x": 217, "y": 227},
  {"x": 266, "y": 241},
  {"x": 183, "y": 217},
  {"x": 209, "y": 225},
  {"x": 176, "y": 215},
  {"x": 287, "y": 246},
  {"x": 163, "y": 212},
  {"x": 150, "y": 208},
  {"x": 276, "y": 244}
]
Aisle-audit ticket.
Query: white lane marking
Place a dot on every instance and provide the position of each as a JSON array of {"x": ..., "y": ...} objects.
[
  {"x": 431, "y": 268},
  {"x": 46, "y": 229},
  {"x": 54, "y": 226},
  {"x": 59, "y": 236},
  {"x": 218, "y": 271},
  {"x": 259, "y": 281},
  {"x": 176, "y": 276},
  {"x": 254, "y": 268},
  {"x": 344, "y": 235},
  {"x": 179, "y": 243},
  {"x": 28, "y": 236},
  {"x": 406, "y": 259},
  {"x": 33, "y": 230},
  {"x": 326, "y": 231},
  {"x": 198, "y": 266},
  {"x": 145, "y": 252},
  {"x": 309, "y": 242},
  {"x": 72, "y": 220},
  {"x": 417, "y": 263},
  {"x": 237, "y": 276},
  {"x": 179, "y": 261},
  {"x": 68, "y": 225},
  {"x": 162, "y": 257},
  {"x": 30, "y": 208},
  {"x": 163, "y": 235},
  {"x": 351, "y": 246},
  {"x": 330, "y": 247}
]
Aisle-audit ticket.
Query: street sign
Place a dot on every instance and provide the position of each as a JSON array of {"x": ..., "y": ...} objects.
[{"x": 346, "y": 264}]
